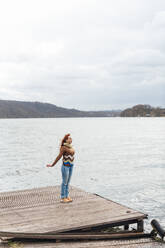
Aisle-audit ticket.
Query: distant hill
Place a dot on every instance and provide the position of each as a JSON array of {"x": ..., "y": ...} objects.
[
  {"x": 20, "y": 109},
  {"x": 141, "y": 110}
]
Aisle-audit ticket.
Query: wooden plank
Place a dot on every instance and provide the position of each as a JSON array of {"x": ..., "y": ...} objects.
[
  {"x": 74, "y": 236},
  {"x": 39, "y": 210},
  {"x": 133, "y": 243}
]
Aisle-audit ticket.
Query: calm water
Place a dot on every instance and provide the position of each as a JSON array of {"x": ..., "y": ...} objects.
[{"x": 120, "y": 158}]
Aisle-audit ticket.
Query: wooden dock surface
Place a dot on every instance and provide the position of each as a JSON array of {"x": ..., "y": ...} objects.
[
  {"x": 39, "y": 210},
  {"x": 137, "y": 243}
]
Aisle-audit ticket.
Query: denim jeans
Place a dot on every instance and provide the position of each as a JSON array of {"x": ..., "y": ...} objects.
[{"x": 66, "y": 176}]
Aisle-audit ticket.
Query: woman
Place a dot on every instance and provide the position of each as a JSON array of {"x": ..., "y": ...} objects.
[{"x": 67, "y": 151}]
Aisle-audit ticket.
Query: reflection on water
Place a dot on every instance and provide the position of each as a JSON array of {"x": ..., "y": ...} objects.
[{"x": 120, "y": 158}]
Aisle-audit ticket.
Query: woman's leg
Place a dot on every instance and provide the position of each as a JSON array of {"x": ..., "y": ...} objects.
[
  {"x": 65, "y": 177},
  {"x": 69, "y": 177}
]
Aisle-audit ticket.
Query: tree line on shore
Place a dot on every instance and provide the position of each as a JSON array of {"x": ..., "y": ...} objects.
[
  {"x": 20, "y": 109},
  {"x": 143, "y": 110}
]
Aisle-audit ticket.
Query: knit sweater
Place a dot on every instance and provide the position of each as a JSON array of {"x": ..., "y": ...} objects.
[{"x": 68, "y": 158}]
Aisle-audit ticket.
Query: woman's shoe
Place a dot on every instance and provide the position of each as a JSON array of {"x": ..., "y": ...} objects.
[
  {"x": 69, "y": 199},
  {"x": 64, "y": 200}
]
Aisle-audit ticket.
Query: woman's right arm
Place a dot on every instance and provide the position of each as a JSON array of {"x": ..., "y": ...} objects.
[{"x": 57, "y": 158}]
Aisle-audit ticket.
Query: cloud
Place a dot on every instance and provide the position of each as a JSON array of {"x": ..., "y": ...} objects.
[{"x": 83, "y": 54}]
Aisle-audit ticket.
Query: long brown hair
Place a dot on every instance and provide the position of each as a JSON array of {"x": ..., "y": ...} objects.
[{"x": 64, "y": 139}]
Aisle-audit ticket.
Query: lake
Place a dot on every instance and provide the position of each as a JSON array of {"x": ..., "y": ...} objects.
[{"x": 122, "y": 159}]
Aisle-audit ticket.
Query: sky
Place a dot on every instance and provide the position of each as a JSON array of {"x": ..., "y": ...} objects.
[{"x": 83, "y": 54}]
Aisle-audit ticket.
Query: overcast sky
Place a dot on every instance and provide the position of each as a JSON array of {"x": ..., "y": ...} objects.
[{"x": 84, "y": 54}]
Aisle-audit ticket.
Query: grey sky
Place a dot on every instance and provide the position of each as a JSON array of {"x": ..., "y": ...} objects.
[{"x": 85, "y": 54}]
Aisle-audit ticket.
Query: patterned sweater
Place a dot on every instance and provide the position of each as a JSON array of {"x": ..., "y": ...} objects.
[{"x": 68, "y": 159}]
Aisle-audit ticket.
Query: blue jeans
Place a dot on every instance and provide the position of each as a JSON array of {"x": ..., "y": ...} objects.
[{"x": 66, "y": 176}]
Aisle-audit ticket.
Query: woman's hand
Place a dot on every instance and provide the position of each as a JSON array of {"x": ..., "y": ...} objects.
[{"x": 49, "y": 165}]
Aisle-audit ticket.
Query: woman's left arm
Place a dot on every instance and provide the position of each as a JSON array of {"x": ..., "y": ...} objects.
[{"x": 57, "y": 158}]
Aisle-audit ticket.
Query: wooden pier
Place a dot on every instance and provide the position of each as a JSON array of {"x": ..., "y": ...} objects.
[{"x": 37, "y": 212}]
